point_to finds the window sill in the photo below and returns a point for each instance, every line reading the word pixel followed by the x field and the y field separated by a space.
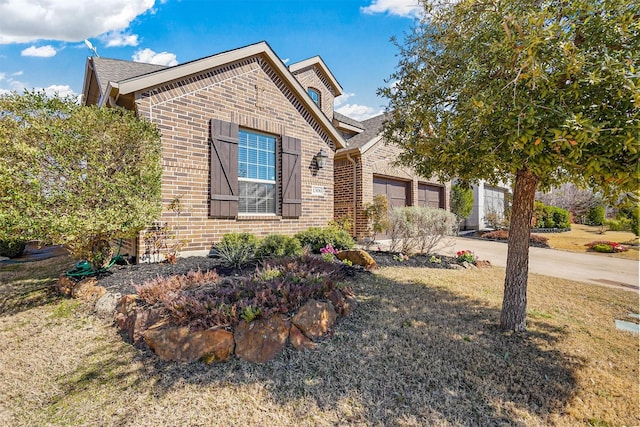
pixel 242 217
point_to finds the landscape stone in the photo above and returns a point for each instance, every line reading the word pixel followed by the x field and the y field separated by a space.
pixel 106 305
pixel 315 318
pixel 88 290
pixel 125 311
pixel 299 341
pixel 342 305
pixel 358 257
pixel 178 344
pixel 456 267
pixel 469 266
pixel 142 320
pixel 65 285
pixel 262 339
pixel 483 263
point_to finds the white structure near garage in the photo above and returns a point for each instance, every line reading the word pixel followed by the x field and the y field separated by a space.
pixel 487 199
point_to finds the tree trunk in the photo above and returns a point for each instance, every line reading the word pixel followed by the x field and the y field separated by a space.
pixel 514 302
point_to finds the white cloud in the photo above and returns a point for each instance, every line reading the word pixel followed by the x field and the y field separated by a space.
pixel 10 84
pixel 62 90
pixel 17 73
pixel 41 52
pixel 286 60
pixel 408 8
pixel 342 99
pixel 150 57
pixel 358 112
pixel 119 38
pixel 23 21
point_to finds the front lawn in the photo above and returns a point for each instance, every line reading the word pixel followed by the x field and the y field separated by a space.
pixel 421 348
pixel 581 235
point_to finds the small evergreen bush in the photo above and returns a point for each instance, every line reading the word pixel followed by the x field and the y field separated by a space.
pixel 550 216
pixel 317 238
pixel 12 248
pixel 596 215
pixel 603 247
pixel 279 245
pixel 236 249
pixel 620 224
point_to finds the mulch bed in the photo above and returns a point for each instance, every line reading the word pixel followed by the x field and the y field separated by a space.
pixel 123 278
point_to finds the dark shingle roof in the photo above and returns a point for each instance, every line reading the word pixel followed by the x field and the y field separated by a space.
pixel 115 70
pixel 372 128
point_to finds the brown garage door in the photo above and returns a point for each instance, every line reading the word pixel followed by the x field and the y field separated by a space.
pixel 397 192
pixel 431 196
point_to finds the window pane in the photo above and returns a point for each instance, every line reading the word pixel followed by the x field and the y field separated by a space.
pixel 257 161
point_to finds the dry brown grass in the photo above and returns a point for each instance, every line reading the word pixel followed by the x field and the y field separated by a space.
pixel 576 239
pixel 421 349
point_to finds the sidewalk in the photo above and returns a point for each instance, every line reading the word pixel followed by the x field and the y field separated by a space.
pixel 589 268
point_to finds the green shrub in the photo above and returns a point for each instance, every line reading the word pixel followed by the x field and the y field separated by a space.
pixel 317 238
pixel 236 249
pixel 596 215
pixel 419 229
pixel 550 216
pixel 602 247
pixel 620 224
pixel 279 245
pixel 561 217
pixel 12 248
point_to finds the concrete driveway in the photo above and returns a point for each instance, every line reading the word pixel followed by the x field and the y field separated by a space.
pixel 590 268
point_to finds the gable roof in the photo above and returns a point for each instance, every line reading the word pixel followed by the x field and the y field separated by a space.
pixel 319 64
pixel 372 134
pixel 130 77
pixel 114 70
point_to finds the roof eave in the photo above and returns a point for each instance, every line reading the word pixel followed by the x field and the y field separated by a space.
pixel 160 77
pixel 317 60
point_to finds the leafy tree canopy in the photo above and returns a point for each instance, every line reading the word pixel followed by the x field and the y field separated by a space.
pixel 536 91
pixel 487 88
pixel 75 175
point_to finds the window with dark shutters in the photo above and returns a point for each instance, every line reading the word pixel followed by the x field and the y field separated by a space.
pixel 224 173
pixel 224 169
pixel 291 177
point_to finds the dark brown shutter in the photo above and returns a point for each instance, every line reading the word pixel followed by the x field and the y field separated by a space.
pixel 224 169
pixel 291 177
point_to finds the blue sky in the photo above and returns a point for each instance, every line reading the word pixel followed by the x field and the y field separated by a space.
pixel 42 41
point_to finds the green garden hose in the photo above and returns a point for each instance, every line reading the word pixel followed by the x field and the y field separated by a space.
pixel 83 268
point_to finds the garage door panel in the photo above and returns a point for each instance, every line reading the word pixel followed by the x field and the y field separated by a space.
pixel 397 192
pixel 431 196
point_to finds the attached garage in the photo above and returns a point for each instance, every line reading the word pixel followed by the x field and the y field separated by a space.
pixel 430 195
pixel 398 192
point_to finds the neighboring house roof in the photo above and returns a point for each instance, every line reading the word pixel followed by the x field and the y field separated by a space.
pixel 342 119
pixel 130 77
pixel 371 135
pixel 319 63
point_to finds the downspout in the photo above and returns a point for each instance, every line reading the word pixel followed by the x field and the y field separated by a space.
pixel 355 194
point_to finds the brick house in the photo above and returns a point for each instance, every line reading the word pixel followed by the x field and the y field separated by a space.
pixel 365 167
pixel 242 138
